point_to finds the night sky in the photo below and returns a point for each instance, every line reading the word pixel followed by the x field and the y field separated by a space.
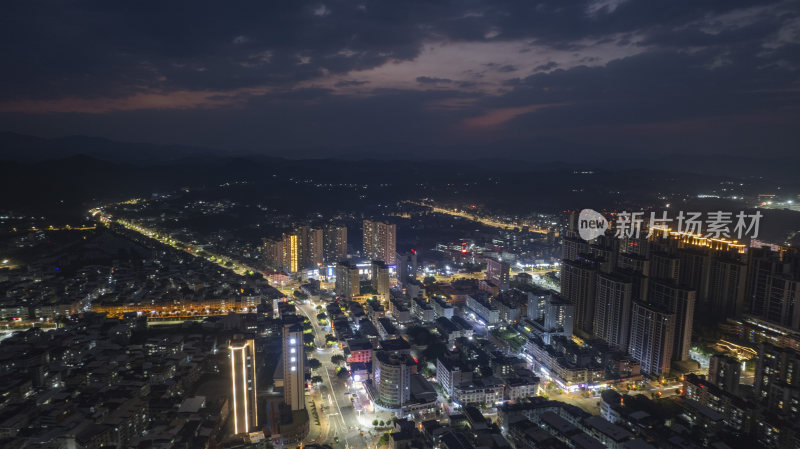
pixel 408 79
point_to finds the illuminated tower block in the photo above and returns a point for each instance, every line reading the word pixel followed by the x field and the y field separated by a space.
pixel 380 241
pixel 293 367
pixel 243 385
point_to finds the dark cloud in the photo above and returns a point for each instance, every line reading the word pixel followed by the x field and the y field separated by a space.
pixel 351 83
pixel 60 48
pixel 240 73
pixel 503 68
pixel 548 66
pixel 432 80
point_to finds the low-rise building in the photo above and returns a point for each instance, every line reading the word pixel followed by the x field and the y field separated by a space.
pixel 422 310
pixel 484 390
pixel 451 373
pixel 360 351
pixel 521 387
pixel 737 413
pixel 480 304
pixel 442 308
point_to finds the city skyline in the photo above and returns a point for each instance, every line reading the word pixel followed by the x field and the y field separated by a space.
pixel 332 224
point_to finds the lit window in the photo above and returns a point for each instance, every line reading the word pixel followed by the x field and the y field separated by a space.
pixel 294 359
pixel 292 351
pixel 294 368
pixel 292 341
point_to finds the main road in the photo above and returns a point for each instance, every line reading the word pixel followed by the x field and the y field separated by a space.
pixel 491 222
pixel 343 428
pixel 166 239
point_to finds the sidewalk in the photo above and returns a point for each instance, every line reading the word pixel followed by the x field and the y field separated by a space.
pixel 315 431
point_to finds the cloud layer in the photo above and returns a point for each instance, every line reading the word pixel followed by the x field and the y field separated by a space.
pixel 386 78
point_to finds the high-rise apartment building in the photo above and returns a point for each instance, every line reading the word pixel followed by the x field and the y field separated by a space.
pixel 634 263
pixel 558 316
pixel 777 381
pixel 725 372
pixel 296 251
pixel 380 279
pixel 664 266
pixel 693 268
pixel 679 301
pixel 578 282
pixel 573 246
pixel 273 253
pixel 604 250
pixel 244 405
pixel 380 241
pixel 309 246
pixel 612 310
pixel 652 336
pixel 334 243
pixel 348 280
pixel 714 268
pixel 774 286
pixel 291 252
pixel 726 286
pixel 498 272
pixel 406 265
pixel 294 386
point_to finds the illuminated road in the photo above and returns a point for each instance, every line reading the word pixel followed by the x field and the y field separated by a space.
pixel 222 261
pixel 55 228
pixel 482 220
pixel 341 416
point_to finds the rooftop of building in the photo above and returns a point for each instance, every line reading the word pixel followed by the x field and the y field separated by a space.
pixel 395 344
pixel 359 344
pixel 394 359
pixel 452 364
pixel 558 423
pixel 612 431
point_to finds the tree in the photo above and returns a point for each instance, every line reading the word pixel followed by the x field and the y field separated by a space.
pixel 321 316
pixel 337 359
pixel 61 321
pixel 375 422
pixel 308 338
pixel 382 423
pixel 384 439
pixel 330 339
pixel 343 373
pixel 421 335
pixel 314 363
pixel 316 379
pixel 434 350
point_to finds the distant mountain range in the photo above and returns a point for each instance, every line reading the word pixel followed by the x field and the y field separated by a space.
pixel 24 148
pixel 29 149
pixel 48 175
